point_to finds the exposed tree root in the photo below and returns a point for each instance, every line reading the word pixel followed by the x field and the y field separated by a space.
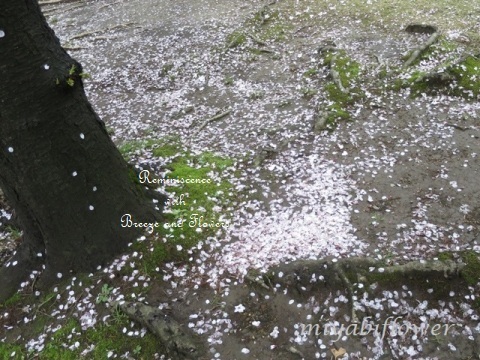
pixel 257 40
pixel 458 127
pixel 257 280
pixel 345 273
pixel 336 76
pixel 338 268
pixel 179 342
pixel 18 269
pixel 417 52
pixel 270 152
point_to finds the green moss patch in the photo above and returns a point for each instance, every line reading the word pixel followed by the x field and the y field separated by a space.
pixel 208 202
pixel 461 79
pixel 164 147
pixel 197 209
pixel 235 39
pixel 348 72
pixel 467 74
pixel 102 339
pixel 471 273
pixel 457 77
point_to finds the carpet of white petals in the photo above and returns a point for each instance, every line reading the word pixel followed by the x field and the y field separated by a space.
pixel 312 200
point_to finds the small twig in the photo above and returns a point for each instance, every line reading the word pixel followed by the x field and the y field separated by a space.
pixel 264 51
pixel 84 34
pixel 73 48
pixel 46 301
pixel 47 11
pixel 302 28
pixel 95 38
pixel 53 9
pixel 214 118
pixel 458 127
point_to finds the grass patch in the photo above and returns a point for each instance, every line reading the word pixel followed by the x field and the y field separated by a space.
pixel 310 72
pixel 445 256
pixel 11 351
pixel 14 233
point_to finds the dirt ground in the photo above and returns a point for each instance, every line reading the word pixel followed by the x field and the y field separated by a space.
pixel 397 182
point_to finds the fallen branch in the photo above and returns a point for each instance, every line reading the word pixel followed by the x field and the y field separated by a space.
pixel 417 52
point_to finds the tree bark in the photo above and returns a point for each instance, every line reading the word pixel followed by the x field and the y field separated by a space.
pixel 59 170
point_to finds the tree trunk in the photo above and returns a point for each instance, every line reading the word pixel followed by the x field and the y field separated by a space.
pixel 59 170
